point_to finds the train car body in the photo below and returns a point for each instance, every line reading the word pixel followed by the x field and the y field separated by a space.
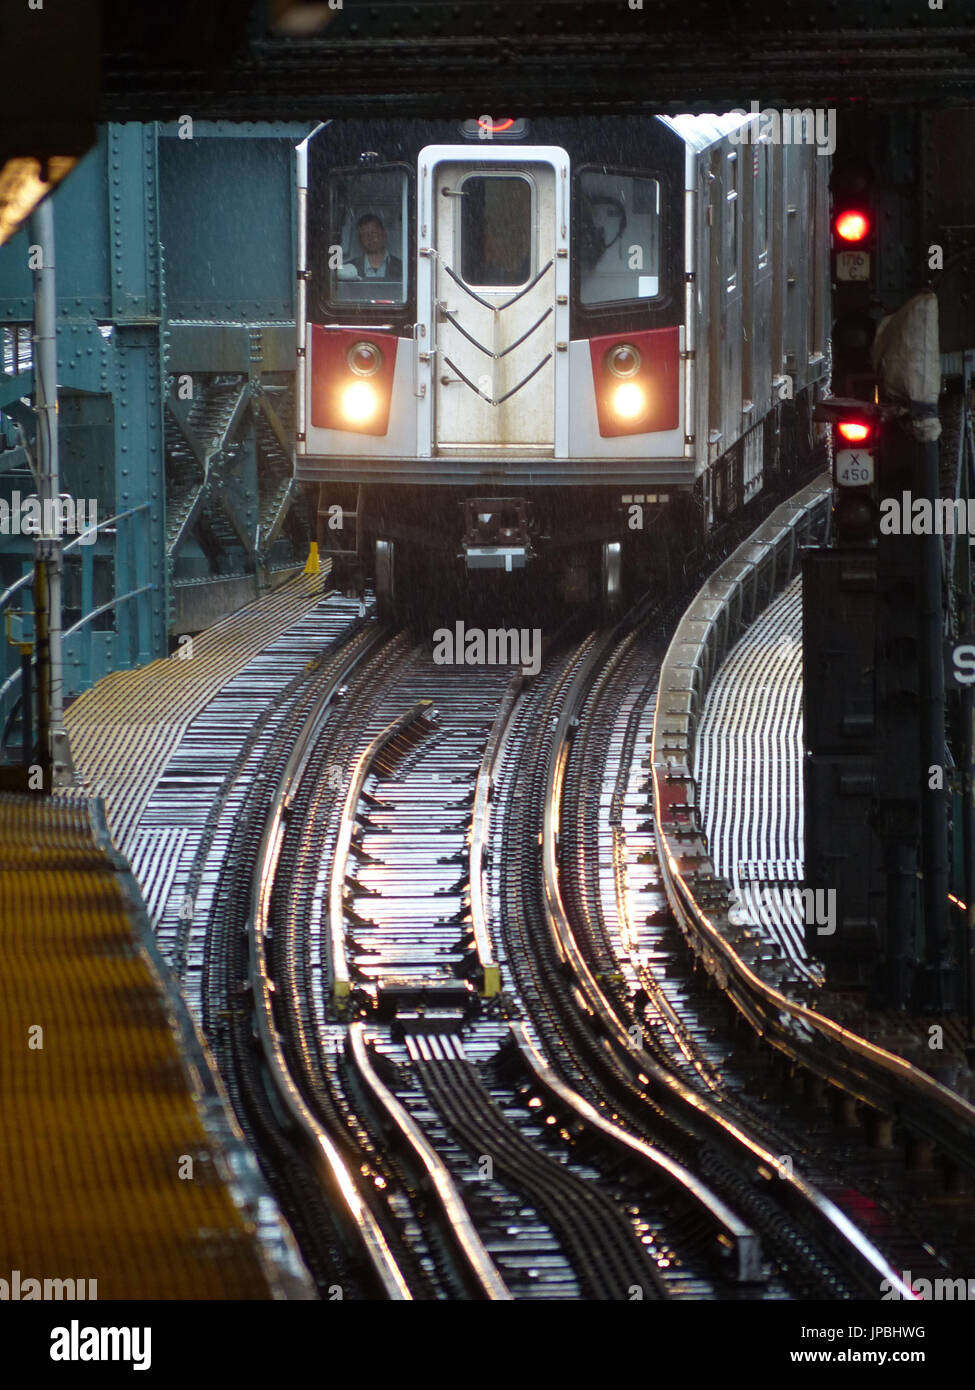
pixel 571 343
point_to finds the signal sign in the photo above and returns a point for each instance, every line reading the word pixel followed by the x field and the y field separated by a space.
pixel 852 265
pixel 854 468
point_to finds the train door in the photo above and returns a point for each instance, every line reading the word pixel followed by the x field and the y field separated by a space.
pixel 497 231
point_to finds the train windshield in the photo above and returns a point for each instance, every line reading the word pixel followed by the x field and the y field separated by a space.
pixel 496 230
pixel 367 219
pixel 619 252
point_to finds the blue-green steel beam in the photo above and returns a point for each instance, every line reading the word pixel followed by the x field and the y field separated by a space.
pixel 175 258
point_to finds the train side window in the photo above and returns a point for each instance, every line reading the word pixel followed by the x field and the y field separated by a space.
pixel 619 237
pixel 496 230
pixel 367 221
pixel 731 222
pixel 763 200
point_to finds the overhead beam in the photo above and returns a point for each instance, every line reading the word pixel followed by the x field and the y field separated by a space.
pixel 558 56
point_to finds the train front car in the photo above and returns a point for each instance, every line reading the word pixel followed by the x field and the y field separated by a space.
pixel 544 345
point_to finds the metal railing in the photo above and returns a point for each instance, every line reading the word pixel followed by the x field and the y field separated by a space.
pixel 735 596
pixel 87 556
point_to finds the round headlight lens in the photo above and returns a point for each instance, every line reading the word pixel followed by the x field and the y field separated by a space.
pixel 629 401
pixel 365 359
pixel 623 360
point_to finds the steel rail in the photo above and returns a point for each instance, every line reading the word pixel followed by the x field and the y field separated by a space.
pixel 479 833
pixel 333 1169
pixel 467 1242
pixel 338 959
pixel 733 1233
pixel 828 1219
pixel 594 1230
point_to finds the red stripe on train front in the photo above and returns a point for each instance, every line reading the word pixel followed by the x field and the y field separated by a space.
pixel 637 381
pixel 351 379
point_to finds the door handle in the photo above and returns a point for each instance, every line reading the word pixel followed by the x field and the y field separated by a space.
pixel 420 356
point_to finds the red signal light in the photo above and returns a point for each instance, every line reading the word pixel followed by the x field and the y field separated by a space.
pixel 853 431
pixel 852 225
pixel 495 127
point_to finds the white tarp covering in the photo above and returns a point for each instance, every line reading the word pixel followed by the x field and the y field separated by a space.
pixel 907 360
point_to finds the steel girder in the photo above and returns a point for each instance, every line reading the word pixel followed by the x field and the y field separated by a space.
pixel 108 273
pixel 400 58
pixel 176 354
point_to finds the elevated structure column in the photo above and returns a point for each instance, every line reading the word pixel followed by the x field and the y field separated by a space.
pixel 54 751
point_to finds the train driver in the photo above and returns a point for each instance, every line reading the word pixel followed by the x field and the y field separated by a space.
pixel 376 261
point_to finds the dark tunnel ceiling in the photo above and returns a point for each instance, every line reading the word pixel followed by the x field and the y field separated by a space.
pixel 218 58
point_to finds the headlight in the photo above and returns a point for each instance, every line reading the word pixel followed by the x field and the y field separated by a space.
pixel 359 403
pixel 365 359
pixel 629 401
pixel 623 360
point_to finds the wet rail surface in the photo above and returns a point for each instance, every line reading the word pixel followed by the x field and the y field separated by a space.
pixel 612 877
pixel 392 1003
pixel 430 939
pixel 422 1071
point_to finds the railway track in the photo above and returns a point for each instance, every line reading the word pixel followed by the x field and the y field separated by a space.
pixel 481 1069
pixel 395 951
pixel 613 887
pixel 321 1175
pixel 393 938
pixel 599 1051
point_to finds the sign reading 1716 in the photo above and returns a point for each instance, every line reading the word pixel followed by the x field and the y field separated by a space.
pixel 853 265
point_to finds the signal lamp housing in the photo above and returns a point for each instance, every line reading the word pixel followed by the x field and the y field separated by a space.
pixel 854 431
pixel 852 226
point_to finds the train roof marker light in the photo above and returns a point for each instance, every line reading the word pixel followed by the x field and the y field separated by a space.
pixel 494 127
pixel 852 226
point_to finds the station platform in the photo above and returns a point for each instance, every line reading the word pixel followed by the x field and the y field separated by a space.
pixel 120 1164
pixel 124 730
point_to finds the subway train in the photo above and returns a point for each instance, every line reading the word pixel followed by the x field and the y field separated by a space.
pixel 566 349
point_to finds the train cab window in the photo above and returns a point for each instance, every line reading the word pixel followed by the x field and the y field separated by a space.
pixel 619 231
pixel 368 217
pixel 496 230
